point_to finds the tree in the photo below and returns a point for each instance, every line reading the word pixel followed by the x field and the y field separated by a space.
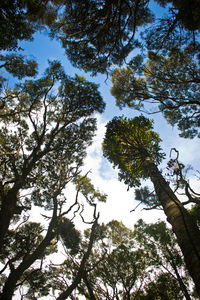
pixel 113 268
pixel 52 118
pixel 163 287
pixel 170 84
pixel 125 264
pixel 46 127
pixel 186 12
pixel 177 27
pixel 133 147
pixel 96 34
pixel 21 19
pixel 19 67
pixel 27 250
pixel 160 246
pixel 120 270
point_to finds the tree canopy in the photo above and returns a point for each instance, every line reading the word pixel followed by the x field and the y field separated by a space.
pixel 169 84
pixel 47 125
pixel 131 264
pixel 128 143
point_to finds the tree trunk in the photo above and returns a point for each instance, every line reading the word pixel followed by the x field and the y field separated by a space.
pixel 8 207
pixel 81 271
pixel 185 229
pixel 180 281
pixel 16 274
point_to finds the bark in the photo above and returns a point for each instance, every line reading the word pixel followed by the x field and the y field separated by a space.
pixel 8 207
pixel 89 287
pixel 185 229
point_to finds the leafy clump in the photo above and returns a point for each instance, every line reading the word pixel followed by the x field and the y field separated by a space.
pixel 69 235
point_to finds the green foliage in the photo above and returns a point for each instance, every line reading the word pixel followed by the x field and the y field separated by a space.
pixel 22 242
pixel 46 127
pixel 18 65
pixel 70 236
pixel 195 213
pixel 117 266
pixel 14 25
pixel 128 143
pixel 84 185
pixel 160 247
pixel 20 19
pixel 186 11
pixel 170 82
pixel 146 197
pixel 164 287
pixel 151 234
pixel 96 34
pixel 37 283
pixel 43 122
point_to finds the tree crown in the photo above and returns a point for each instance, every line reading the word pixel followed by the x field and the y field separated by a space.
pixel 128 143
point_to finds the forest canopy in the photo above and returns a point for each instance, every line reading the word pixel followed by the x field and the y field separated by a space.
pixel 150 50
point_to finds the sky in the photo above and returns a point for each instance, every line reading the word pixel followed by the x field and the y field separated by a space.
pixel 119 201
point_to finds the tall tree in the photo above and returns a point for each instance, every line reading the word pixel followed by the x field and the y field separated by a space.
pixel 186 12
pixel 133 147
pixel 27 248
pixel 19 20
pixel 98 34
pixel 37 122
pixel 46 127
pixel 95 34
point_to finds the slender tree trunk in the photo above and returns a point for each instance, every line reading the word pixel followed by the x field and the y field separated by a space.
pixel 180 281
pixel 89 287
pixel 81 271
pixel 16 274
pixel 185 229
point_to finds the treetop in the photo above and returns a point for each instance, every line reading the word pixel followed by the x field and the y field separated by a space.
pixel 128 143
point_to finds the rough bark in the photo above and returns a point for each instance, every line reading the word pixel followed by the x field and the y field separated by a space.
pixel 184 227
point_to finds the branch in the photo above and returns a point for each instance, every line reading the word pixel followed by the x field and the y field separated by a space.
pixel 81 272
